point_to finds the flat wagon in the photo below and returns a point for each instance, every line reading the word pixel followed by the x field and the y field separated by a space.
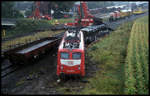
pixel 29 52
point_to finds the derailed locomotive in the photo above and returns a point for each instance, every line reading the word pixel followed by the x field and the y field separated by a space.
pixel 71 51
pixel 70 56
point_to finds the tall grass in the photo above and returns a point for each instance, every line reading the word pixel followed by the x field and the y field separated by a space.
pixel 136 70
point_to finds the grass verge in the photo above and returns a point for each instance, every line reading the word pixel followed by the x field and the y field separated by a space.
pixel 109 54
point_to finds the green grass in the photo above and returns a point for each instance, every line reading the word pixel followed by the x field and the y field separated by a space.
pixel 26 39
pixel 25 25
pixel 136 73
pixel 109 54
pixel 61 21
pixel 122 58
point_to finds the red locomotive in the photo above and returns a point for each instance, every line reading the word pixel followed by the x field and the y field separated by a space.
pixel 71 54
pixel 114 16
pixel 71 49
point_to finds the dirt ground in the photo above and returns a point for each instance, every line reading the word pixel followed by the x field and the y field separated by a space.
pixel 40 78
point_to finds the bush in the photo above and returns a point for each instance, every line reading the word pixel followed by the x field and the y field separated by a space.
pixel 24 26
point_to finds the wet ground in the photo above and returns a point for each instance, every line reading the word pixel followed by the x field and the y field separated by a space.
pixel 30 78
pixel 40 77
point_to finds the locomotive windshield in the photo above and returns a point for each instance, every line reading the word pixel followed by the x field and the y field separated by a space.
pixel 64 55
pixel 76 55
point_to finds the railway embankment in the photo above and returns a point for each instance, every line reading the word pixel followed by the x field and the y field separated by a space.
pixel 26 27
pixel 110 55
pixel 29 38
pixel 28 30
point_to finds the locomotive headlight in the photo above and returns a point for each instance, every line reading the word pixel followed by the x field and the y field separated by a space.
pixel 79 67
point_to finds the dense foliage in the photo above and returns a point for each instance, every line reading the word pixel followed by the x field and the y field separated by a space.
pixel 24 26
pixel 8 10
pixel 61 6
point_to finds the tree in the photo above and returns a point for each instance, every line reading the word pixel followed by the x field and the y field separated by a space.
pixel 28 12
pixel 8 10
pixel 46 7
pixel 60 6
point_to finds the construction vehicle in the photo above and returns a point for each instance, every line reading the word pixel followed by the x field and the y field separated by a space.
pixel 88 23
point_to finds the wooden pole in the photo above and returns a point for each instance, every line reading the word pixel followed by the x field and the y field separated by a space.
pixel 4 32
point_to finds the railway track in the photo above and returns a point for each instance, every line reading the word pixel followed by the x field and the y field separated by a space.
pixel 115 24
pixel 10 68
pixel 7 71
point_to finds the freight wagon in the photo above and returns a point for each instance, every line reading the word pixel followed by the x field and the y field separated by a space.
pixel 122 14
pixel 29 52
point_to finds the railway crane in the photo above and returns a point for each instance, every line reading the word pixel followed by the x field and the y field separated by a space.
pixel 36 12
pixel 88 23
pixel 84 17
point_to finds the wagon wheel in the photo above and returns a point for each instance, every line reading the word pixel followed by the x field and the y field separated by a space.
pixel 47 50
pixel 38 56
pixel 14 62
pixel 32 58
pixel 25 62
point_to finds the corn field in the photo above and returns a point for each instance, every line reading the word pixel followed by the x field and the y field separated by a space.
pixel 136 68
